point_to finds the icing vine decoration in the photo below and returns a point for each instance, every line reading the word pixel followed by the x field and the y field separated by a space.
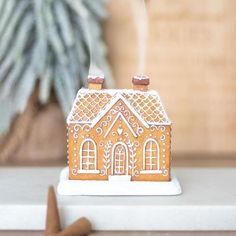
pixel 106 158
pixel 132 148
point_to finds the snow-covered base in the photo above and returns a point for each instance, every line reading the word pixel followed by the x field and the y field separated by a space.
pixel 91 187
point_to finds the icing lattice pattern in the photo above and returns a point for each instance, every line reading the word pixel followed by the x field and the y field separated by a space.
pixel 148 106
pixel 90 103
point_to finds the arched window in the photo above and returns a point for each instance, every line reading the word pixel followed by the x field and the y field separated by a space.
pixel 151 162
pixel 119 159
pixel 88 156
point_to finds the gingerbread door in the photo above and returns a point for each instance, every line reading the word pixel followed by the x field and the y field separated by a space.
pixel 119 159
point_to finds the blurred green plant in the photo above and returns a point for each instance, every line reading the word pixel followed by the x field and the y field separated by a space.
pixel 47 40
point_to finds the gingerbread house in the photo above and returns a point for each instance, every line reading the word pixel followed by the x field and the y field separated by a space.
pixel 120 134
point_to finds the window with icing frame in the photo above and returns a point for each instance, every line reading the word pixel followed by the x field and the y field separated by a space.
pixel 88 157
pixel 151 157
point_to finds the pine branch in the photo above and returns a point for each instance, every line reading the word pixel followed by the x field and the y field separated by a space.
pixel 47 40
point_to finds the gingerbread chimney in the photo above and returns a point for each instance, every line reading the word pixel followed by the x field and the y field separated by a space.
pixel 140 82
pixel 95 82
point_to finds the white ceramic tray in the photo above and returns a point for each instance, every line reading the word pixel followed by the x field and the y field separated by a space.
pixel 116 186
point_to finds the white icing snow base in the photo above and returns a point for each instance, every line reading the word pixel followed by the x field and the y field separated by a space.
pixel 108 188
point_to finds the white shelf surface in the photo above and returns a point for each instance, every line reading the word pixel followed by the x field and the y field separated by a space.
pixel 208 202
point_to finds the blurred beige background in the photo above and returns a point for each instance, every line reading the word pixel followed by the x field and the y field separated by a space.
pixel 191 59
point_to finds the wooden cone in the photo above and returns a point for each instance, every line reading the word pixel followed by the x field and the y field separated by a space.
pixel 53 219
pixel 80 227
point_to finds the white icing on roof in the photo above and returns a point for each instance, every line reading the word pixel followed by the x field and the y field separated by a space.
pixel 141 77
pixel 95 76
pixel 146 104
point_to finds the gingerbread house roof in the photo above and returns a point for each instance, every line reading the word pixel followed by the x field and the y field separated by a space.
pixel 90 105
